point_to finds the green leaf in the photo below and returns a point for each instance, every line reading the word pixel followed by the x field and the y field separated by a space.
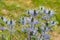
pixel 39 30
pixel 2 23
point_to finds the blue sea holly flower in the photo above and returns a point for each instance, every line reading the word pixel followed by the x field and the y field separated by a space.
pixel 46 11
pixel 32 31
pixel 8 22
pixel 28 19
pixel 52 13
pixel 23 20
pixel 31 20
pixel 49 12
pixel 11 22
pixel 42 8
pixel 47 29
pixel 36 12
pixel 46 36
pixel 4 19
pixel 35 31
pixel 53 23
pixel 36 22
pixel 31 12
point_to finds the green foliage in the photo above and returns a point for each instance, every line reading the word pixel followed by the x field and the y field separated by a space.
pixel 2 23
pixel 58 17
pixel 33 38
pixel 36 2
pixel 39 30
pixel 2 5
pixel 12 7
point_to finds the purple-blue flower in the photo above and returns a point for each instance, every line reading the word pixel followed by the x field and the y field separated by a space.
pixel 2 28
pixel 36 21
pixel 46 36
pixel 33 12
pixel 23 20
pixel 11 22
pixel 4 19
